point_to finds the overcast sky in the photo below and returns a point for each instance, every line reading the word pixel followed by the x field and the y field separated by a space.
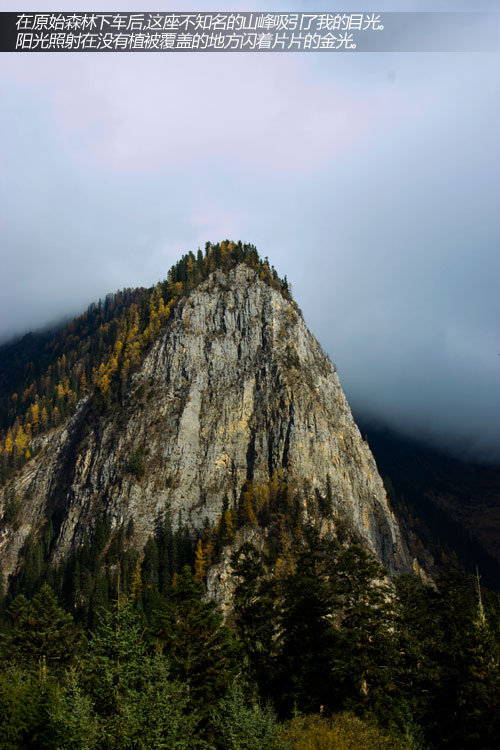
pixel 371 180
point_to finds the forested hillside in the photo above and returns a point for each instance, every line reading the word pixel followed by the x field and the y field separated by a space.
pixel 319 650
pixel 112 640
pixel 43 376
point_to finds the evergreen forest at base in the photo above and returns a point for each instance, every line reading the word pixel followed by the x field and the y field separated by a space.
pixel 320 650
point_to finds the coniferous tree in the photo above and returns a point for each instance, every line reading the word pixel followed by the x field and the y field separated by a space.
pixel 33 568
pixel 255 617
pixel 41 633
pixel 26 702
pixel 136 702
pixel 368 614
pixel 467 698
pixel 200 649
pixel 200 562
pixel 417 634
pixel 247 727
pixel 72 716
pixel 307 676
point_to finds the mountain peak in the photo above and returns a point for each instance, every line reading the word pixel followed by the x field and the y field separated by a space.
pixel 45 375
pixel 229 393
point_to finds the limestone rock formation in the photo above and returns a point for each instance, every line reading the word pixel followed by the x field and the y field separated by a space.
pixel 234 388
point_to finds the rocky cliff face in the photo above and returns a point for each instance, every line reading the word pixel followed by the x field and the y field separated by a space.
pixel 235 388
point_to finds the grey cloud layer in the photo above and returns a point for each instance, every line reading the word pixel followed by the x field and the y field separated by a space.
pixel 371 181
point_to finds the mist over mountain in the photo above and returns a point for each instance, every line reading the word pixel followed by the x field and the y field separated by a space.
pixel 238 508
pixel 44 376
pixel 454 504
pixel 417 401
pixel 371 179
pixel 202 389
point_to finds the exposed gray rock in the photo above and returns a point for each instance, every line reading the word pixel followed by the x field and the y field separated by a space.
pixel 235 388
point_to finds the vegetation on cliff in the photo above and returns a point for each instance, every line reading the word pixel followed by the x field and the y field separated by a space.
pixel 117 645
pixel 45 375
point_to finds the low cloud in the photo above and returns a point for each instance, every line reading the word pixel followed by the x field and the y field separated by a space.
pixel 370 180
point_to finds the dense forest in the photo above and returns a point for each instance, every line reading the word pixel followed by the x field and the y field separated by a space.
pixel 112 649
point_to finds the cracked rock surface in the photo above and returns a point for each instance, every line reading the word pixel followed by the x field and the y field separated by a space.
pixel 234 388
